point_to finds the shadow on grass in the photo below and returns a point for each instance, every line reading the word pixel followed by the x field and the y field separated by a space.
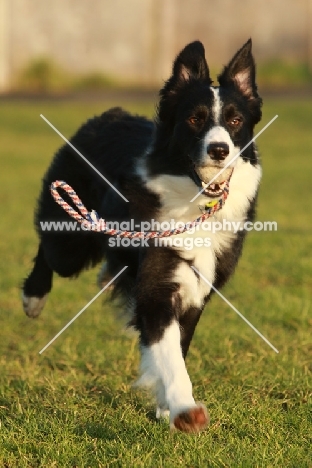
pixel 121 416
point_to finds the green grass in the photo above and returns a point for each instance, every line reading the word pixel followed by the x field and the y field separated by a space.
pixel 73 406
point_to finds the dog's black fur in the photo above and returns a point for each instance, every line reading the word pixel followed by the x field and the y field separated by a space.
pixel 119 145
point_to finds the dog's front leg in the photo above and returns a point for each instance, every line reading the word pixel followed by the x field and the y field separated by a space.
pixel 163 367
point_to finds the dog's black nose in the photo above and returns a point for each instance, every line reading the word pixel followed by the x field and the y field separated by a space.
pixel 218 151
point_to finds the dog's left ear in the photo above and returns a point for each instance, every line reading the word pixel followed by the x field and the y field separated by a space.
pixel 241 72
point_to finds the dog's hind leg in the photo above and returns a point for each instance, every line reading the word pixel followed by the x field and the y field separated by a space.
pixel 104 277
pixel 37 286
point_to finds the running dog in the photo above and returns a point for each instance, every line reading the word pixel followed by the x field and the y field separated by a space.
pixel 159 166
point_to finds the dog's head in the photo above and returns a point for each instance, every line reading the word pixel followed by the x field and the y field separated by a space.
pixel 202 126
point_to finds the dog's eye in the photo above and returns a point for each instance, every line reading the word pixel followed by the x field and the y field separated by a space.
pixel 194 120
pixel 197 117
pixel 235 121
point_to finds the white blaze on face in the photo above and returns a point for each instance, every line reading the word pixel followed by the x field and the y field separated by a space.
pixel 217 105
pixel 217 134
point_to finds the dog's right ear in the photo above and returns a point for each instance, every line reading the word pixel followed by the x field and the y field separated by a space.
pixel 189 65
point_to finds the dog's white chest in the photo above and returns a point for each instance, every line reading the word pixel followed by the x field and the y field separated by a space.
pixel 200 247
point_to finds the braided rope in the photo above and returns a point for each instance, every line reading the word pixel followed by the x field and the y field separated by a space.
pixel 92 220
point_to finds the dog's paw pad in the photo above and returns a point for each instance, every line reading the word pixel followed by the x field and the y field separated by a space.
pixel 194 419
pixel 33 305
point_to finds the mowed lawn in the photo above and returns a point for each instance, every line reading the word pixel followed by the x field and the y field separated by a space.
pixel 74 405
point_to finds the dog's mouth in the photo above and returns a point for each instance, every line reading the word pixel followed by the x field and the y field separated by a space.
pixel 215 189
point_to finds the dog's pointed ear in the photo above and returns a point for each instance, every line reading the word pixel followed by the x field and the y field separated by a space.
pixel 189 65
pixel 241 72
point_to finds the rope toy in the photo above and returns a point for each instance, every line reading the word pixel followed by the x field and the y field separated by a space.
pixel 92 220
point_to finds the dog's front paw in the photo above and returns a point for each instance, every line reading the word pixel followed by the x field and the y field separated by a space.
pixel 194 419
pixel 162 413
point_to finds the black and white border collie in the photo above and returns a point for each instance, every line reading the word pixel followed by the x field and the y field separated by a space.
pixel 159 167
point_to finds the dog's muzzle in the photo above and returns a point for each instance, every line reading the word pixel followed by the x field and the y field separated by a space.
pixel 203 175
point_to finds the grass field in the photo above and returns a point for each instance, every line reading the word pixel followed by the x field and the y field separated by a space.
pixel 73 406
